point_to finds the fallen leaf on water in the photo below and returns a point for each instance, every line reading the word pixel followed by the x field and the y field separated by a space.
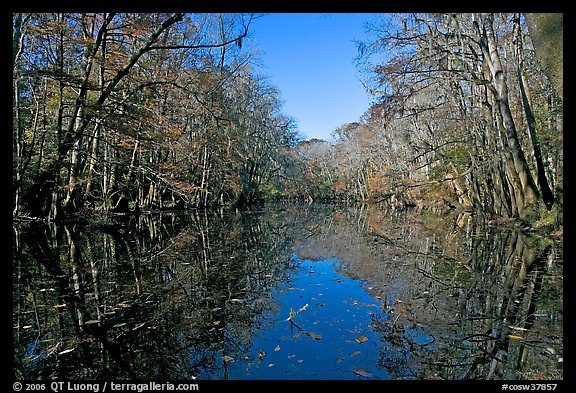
pixel 277 348
pixel 315 336
pixel 228 359
pixel 339 360
pixel 66 351
pixel 513 337
pixel 355 353
pixel 261 354
pixel 361 372
pixel 518 328
pixel 140 325
pixel 361 339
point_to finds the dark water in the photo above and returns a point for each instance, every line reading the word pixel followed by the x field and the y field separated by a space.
pixel 287 292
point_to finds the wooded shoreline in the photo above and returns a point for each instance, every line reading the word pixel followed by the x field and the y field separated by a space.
pixel 121 113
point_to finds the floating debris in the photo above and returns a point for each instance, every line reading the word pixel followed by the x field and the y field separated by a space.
pixel 361 339
pixel 294 313
pixel 315 336
pixel 363 373
pixel 66 351
pixel 518 328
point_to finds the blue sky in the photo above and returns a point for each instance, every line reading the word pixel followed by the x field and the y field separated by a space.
pixel 309 58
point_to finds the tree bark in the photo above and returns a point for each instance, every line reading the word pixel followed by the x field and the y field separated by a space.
pixel 547 195
pixel 530 192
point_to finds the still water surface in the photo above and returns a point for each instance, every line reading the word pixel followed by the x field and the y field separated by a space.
pixel 286 292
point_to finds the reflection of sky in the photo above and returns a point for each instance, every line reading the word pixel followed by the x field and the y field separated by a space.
pixel 34 355
pixel 332 338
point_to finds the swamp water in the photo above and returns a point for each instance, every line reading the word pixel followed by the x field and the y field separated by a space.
pixel 286 292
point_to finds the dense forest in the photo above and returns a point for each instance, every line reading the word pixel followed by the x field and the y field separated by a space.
pixel 124 112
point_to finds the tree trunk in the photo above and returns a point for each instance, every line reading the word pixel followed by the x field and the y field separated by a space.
pixel 530 192
pixel 92 164
pixel 73 197
pixel 547 195
pixel 18 141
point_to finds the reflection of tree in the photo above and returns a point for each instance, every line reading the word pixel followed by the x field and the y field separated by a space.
pixel 465 300
pixel 177 296
pixel 152 297
pixel 505 338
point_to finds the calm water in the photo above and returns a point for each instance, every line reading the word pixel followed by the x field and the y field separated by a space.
pixel 287 292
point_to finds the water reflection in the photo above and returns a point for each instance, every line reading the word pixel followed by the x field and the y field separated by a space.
pixel 390 295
